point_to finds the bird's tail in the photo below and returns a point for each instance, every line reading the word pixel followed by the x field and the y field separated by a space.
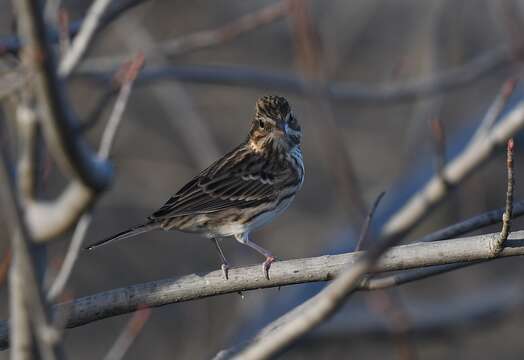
pixel 135 230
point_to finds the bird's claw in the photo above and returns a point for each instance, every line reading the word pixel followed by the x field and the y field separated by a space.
pixel 267 264
pixel 225 270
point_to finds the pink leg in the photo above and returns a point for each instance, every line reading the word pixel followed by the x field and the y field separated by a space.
pixel 244 239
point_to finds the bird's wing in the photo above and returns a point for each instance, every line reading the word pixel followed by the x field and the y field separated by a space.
pixel 240 179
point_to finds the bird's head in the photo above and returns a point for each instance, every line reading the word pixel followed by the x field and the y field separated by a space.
pixel 274 125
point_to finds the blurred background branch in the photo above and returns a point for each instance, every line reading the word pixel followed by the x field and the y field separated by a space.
pixel 363 78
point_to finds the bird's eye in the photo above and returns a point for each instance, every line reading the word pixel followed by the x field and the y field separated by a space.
pixel 264 125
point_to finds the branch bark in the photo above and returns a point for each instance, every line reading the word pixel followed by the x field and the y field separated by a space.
pixel 323 268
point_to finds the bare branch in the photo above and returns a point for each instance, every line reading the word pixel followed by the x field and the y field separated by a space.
pixel 322 268
pixel 367 221
pixel 128 76
pixel 63 31
pixel 75 246
pixel 383 282
pixel 474 155
pixel 488 218
pixel 201 39
pixel 498 243
pixel 28 306
pixel 84 36
pixel 495 109
pixel 12 44
pixel 4 265
pixel 350 92
pixel 128 335
pixel 439 138
pixel 68 148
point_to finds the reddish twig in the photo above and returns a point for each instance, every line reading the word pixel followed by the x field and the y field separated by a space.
pixel 133 327
pixel 129 70
pixel 495 109
pixel 63 31
pixel 498 243
pixel 439 137
pixel 4 265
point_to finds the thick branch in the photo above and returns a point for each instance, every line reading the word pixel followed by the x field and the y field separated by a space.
pixel 323 268
pixel 60 126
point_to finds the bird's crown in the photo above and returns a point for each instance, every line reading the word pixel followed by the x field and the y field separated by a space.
pixel 273 107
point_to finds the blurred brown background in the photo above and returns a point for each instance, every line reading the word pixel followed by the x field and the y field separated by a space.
pixel 171 130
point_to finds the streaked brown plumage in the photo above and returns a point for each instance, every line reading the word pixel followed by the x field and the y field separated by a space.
pixel 241 191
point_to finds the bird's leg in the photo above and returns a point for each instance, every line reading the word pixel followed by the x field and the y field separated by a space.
pixel 244 239
pixel 225 264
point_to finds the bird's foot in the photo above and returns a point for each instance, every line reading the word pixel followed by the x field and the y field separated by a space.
pixel 225 270
pixel 267 264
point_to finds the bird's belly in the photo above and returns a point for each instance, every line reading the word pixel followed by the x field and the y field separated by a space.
pixel 254 221
pixel 229 222
pixel 238 222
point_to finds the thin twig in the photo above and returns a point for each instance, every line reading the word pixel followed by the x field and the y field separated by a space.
pixel 12 44
pixel 202 39
pixel 365 227
pixel 84 36
pixel 439 138
pixel 63 32
pixel 173 98
pixel 383 282
pixel 488 218
pixel 495 109
pixel 128 335
pixel 354 92
pixel 473 156
pixel 75 246
pixel 498 243
pixel 127 77
pixel 4 265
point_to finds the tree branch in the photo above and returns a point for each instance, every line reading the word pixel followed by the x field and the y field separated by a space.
pixel 200 39
pixel 354 92
pixel 12 44
pixel 71 152
pixel 83 38
pixel 473 156
pixel 498 243
pixel 322 268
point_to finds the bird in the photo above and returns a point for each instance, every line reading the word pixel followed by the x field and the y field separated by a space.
pixel 240 192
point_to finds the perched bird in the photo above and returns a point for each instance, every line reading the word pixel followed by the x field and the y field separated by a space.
pixel 243 190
